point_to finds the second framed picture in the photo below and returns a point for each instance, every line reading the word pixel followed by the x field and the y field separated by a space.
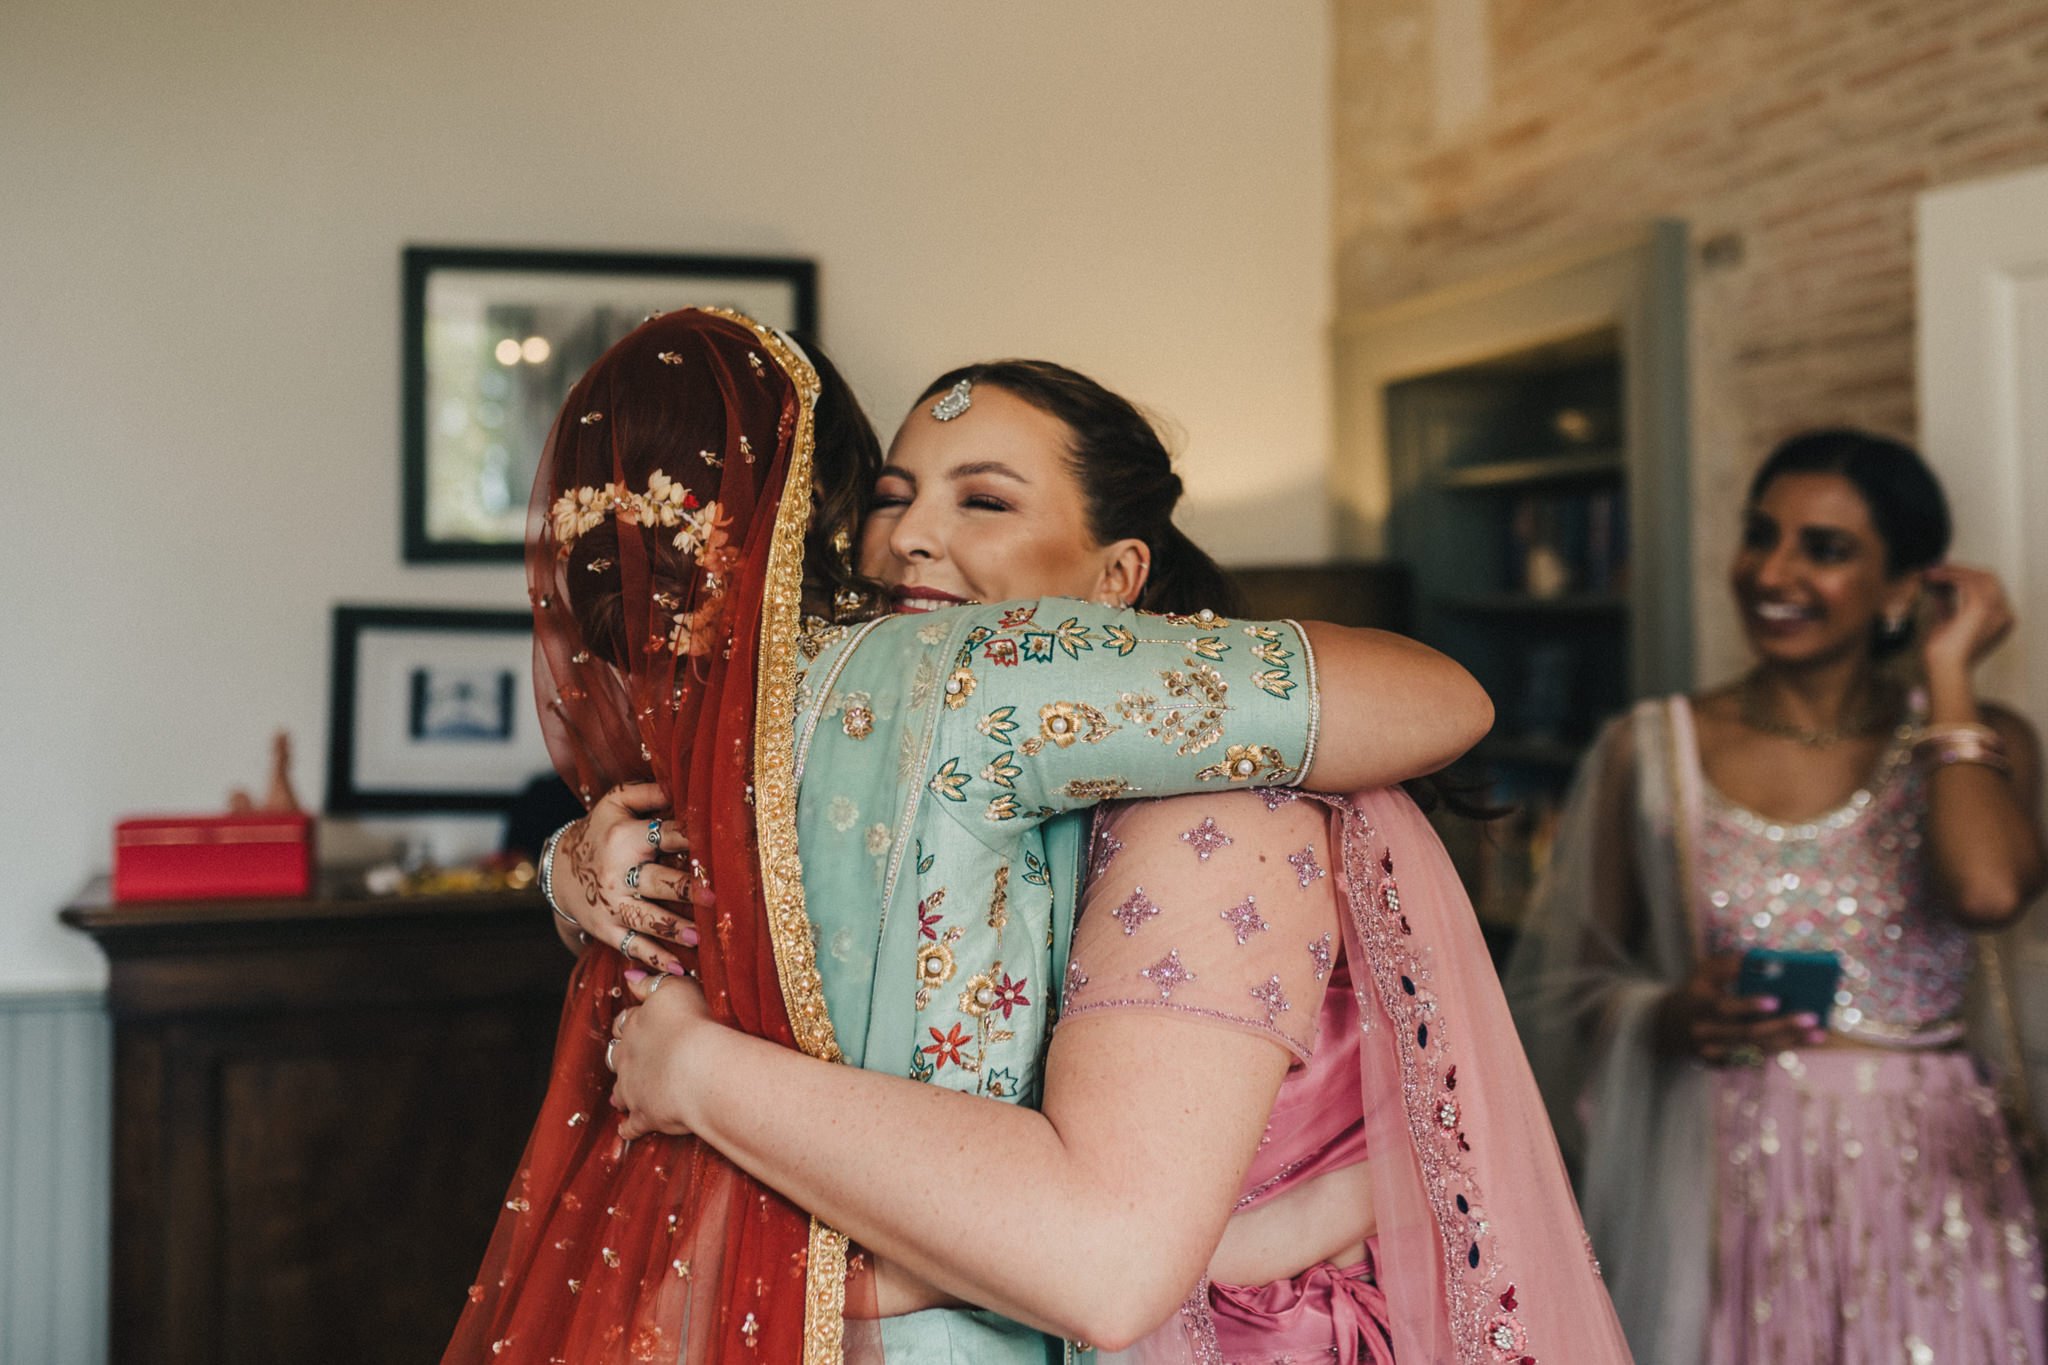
pixel 432 710
pixel 493 341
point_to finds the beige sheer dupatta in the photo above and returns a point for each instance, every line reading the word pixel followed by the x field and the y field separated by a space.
pixel 1610 929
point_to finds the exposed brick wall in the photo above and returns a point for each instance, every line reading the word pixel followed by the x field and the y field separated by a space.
pixel 1792 135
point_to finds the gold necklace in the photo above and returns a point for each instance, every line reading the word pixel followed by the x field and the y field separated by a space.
pixel 1873 718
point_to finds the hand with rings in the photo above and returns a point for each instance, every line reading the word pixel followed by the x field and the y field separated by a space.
pixel 654 983
pixel 652 1052
pixel 609 881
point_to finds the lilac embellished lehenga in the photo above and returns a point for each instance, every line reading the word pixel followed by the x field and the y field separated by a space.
pixel 1336 928
pixel 1846 1205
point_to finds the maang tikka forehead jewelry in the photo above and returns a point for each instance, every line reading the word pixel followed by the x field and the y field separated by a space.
pixel 954 401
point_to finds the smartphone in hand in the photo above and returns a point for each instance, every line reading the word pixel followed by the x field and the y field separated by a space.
pixel 1804 983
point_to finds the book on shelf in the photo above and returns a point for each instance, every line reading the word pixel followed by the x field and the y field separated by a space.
pixel 1566 541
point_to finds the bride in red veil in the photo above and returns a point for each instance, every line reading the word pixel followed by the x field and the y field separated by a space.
pixel 666 554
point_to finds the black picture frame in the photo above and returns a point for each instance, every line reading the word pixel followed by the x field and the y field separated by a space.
pixel 431 709
pixel 469 450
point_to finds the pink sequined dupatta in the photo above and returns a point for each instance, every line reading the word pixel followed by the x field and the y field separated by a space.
pixel 1481 1252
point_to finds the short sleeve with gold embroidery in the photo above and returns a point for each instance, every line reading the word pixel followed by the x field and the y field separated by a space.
pixel 1057 704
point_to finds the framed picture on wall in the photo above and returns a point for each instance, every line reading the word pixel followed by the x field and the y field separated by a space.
pixel 431 709
pixel 493 341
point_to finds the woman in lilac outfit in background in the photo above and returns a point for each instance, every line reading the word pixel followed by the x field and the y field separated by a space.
pixel 1773 1186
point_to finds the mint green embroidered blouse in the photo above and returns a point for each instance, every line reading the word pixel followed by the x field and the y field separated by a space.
pixel 944 761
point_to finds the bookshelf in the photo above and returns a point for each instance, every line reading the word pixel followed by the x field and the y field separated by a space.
pixel 1519 443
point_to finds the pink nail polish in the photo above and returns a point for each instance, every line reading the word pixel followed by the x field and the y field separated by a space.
pixel 678 969
pixel 1767 1003
pixel 1817 1037
pixel 1808 1021
pixel 687 936
pixel 635 975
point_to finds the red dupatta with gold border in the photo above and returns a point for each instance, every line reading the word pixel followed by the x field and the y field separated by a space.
pixel 665 556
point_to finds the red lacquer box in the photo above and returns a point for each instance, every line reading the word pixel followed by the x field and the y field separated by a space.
pixel 197 857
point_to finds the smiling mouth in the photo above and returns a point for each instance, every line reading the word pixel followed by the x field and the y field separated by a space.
pixel 1782 613
pixel 927 599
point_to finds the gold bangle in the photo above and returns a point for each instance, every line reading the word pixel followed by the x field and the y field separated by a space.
pixel 1941 745
pixel 1982 757
pixel 1962 730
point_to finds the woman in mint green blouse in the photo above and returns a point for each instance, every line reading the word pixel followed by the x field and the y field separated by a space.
pixel 943 757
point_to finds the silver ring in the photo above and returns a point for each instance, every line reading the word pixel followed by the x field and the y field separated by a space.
pixel 654 833
pixel 627 942
pixel 611 1046
pixel 659 981
pixel 633 877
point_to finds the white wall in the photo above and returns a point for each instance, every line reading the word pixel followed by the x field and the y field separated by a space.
pixel 202 204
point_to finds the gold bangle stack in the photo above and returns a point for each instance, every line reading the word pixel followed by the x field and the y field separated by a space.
pixel 1937 746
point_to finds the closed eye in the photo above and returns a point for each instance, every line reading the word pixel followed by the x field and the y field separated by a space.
pixel 894 490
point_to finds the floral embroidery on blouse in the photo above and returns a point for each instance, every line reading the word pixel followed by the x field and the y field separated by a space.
pixel 1243 762
pixel 1002 770
pixel 1205 838
pixel 857 718
pixel 949 781
pixel 1267 648
pixel 959 687
pixel 928 915
pixel 1098 788
pixel 1319 953
pixel 1167 974
pixel 1192 718
pixel 936 962
pixel 1107 846
pixel 1010 642
pixel 1060 723
pixel 1305 866
pixel 945 1047
pixel 1122 641
pixel 1135 911
pixel 1269 994
pixel 1244 921
pixel 1010 995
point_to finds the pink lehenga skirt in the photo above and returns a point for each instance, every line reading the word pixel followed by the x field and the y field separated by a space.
pixel 1872 1211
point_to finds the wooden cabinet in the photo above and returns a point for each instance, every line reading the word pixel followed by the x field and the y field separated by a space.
pixel 318 1106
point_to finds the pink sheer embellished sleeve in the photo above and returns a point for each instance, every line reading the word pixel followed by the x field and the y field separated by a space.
pixel 1213 908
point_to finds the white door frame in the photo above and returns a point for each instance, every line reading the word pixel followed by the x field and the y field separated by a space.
pixel 1982 277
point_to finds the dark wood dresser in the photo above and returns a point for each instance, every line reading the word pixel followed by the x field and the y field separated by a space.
pixel 318 1106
